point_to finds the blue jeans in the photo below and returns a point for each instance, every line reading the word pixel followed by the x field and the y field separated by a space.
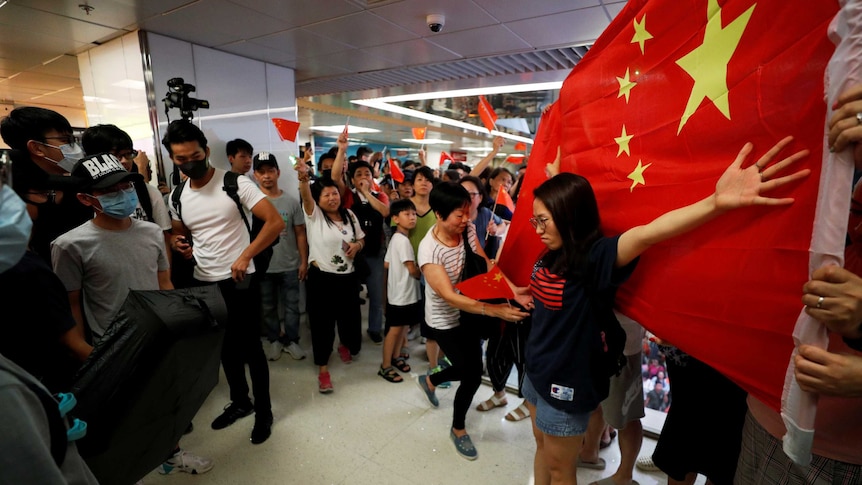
pixel 279 299
pixel 374 284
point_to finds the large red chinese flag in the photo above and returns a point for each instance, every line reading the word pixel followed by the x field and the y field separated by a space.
pixel 286 128
pixel 652 116
pixel 486 286
pixel 487 114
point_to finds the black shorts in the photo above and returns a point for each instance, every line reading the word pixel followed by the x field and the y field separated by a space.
pixel 400 316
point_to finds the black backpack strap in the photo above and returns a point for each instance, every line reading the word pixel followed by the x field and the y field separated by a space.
pixel 231 186
pixel 144 199
pixel 175 199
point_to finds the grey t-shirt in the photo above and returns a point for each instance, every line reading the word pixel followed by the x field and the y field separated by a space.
pixel 285 254
pixel 105 265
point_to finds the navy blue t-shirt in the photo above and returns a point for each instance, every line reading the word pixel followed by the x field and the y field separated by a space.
pixel 563 335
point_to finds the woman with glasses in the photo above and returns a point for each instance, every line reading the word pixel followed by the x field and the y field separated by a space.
pixel 581 267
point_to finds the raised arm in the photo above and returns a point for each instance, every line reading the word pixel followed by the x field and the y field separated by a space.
pixel 738 187
pixel 497 145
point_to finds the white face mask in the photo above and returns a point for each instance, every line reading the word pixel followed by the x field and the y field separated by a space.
pixel 72 153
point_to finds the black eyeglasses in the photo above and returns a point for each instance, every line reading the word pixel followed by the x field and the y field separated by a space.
pixel 539 222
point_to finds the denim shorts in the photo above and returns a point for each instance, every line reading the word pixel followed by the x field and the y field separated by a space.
pixel 551 420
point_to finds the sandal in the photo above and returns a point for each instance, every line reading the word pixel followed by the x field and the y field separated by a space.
pixel 519 413
pixel 494 402
pixel 389 374
pixel 401 364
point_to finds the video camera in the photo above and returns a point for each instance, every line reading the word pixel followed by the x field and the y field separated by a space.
pixel 178 97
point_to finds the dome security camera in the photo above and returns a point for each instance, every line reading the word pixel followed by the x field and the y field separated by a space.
pixel 435 22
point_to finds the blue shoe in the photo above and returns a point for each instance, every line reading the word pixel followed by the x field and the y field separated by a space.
pixel 420 381
pixel 464 446
pixel 442 385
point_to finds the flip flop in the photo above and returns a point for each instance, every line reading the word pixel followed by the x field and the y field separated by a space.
pixel 599 465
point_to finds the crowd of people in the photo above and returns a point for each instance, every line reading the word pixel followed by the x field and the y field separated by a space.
pixel 81 222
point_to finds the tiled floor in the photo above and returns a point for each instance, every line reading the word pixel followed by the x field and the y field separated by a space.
pixel 368 431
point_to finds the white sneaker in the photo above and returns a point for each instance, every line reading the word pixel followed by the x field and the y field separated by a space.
pixel 183 461
pixel 294 350
pixel 273 350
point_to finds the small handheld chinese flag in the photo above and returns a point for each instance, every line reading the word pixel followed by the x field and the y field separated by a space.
pixel 504 199
pixel 395 171
pixel 286 129
pixel 487 114
pixel 445 156
pixel 486 286
pixel 419 133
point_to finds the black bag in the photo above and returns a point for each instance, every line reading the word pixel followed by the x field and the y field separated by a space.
pixel 475 265
pixel 360 264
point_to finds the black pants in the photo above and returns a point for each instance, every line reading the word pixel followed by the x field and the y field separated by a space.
pixel 506 348
pixel 333 302
pixel 463 347
pixel 242 346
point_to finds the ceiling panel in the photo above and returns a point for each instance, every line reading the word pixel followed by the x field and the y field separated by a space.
pixel 296 13
pixel 569 28
pixel 212 23
pixel 363 30
pixel 298 43
pixel 509 11
pixel 413 52
pixel 475 42
pixel 460 15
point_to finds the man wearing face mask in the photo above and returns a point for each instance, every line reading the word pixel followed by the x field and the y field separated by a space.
pixel 44 152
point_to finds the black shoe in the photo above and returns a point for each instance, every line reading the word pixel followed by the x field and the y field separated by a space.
pixel 375 337
pixel 189 429
pixel 231 413
pixel 262 430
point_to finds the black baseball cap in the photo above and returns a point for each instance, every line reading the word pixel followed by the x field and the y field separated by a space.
pixel 264 158
pixel 103 171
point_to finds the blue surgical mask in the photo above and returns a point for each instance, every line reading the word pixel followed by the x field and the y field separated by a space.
pixel 72 153
pixel 120 204
pixel 15 227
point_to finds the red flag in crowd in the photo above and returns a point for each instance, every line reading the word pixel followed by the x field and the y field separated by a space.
pixel 652 116
pixel 445 156
pixel 419 133
pixel 486 286
pixel 487 114
pixel 287 129
pixel 395 171
pixel 504 199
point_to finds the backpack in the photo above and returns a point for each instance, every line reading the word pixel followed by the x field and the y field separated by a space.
pixel 231 187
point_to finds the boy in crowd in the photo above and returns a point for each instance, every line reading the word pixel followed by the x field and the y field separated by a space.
pixel 279 289
pixel 402 290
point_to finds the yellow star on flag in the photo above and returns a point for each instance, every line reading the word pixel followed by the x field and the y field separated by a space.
pixel 707 64
pixel 637 176
pixel 626 85
pixel 641 34
pixel 623 142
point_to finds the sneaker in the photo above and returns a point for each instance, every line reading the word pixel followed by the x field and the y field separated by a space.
pixel 273 350
pixel 375 337
pixel 442 385
pixel 262 429
pixel 429 394
pixel 324 383
pixel 232 412
pixel 646 464
pixel 183 461
pixel 344 353
pixel 295 351
pixel 464 446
